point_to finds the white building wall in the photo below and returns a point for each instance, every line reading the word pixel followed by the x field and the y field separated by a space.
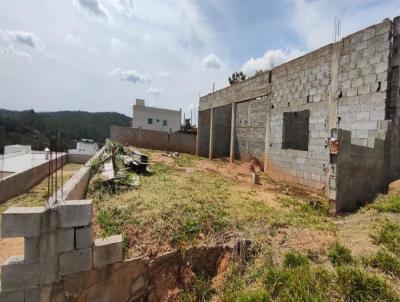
pixel 156 118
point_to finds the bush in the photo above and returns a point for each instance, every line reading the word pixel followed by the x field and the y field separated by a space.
pixel 294 259
pixel 358 285
pixel 339 255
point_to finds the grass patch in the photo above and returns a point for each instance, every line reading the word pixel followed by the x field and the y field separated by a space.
pixel 385 262
pixel 389 236
pixel 294 259
pixel 387 203
pixel 358 285
pixel 112 220
pixel 339 255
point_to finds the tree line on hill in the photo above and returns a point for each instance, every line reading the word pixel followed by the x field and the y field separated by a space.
pixel 38 128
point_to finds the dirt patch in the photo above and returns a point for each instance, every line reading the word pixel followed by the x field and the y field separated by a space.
pixel 354 231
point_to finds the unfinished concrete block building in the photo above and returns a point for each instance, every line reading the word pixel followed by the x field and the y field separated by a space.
pixel 328 120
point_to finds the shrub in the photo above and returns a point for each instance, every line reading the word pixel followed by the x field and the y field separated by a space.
pixel 358 285
pixel 339 255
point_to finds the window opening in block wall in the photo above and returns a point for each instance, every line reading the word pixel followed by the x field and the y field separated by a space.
pixel 295 134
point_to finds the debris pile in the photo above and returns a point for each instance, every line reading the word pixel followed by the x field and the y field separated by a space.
pixel 117 168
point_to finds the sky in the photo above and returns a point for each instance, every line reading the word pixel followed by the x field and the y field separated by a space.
pixel 101 55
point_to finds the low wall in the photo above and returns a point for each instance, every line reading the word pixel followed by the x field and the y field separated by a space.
pixel 21 182
pixel 78 158
pixel 159 140
pixel 75 187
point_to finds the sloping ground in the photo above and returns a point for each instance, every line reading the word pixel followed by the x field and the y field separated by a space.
pixel 188 201
pixel 35 197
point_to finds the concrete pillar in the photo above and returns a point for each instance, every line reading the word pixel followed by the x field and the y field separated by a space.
pixel 232 147
pixel 331 181
pixel 267 128
pixel 211 146
pixel 198 132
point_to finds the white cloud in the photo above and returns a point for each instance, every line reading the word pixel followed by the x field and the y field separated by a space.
pixel 73 39
pixel 270 59
pixel 212 62
pixel 128 7
pixel 116 45
pixel 93 8
pixel 155 91
pixel 164 75
pixel 21 37
pixel 131 76
pixel 11 50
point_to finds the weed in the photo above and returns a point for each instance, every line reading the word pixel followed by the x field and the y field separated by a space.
pixel 294 259
pixel 389 236
pixel 339 254
pixel 385 262
pixel 358 285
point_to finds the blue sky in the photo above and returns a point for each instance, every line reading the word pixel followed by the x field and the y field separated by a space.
pixel 100 55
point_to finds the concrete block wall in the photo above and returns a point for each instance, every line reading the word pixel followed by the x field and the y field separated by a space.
pixel 222 134
pixel 361 171
pixel 203 133
pixel 151 139
pixel 250 129
pixel 363 81
pixel 351 85
pixel 302 84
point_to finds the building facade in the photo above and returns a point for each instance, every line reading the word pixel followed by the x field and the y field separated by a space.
pixel 158 119
pixel 328 120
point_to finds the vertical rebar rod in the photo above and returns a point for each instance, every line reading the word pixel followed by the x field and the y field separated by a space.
pixel 62 167
pixel 56 143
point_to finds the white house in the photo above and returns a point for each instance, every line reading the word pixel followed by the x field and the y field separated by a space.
pixel 152 118
pixel 85 147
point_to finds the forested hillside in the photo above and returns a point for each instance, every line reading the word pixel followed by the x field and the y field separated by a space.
pixel 36 128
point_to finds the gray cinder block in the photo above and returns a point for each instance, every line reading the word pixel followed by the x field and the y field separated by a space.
pixel 83 237
pixel 15 296
pixel 107 251
pixel 31 249
pixel 75 213
pixel 75 261
pixel 21 222
pixel 65 240
pixel 16 274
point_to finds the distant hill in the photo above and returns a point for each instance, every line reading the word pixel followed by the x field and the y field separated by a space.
pixel 36 128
